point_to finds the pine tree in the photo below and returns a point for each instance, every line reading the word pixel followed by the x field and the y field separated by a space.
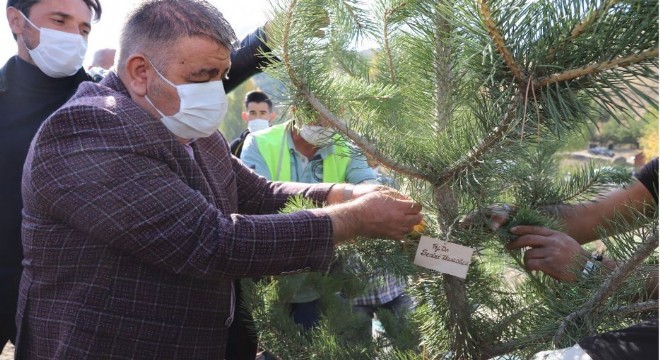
pixel 467 103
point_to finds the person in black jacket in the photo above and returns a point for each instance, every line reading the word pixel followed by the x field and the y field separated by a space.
pixel 51 36
pixel 33 84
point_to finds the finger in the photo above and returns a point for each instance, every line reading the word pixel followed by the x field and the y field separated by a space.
pixel 407 206
pixel 547 268
pixel 498 216
pixel 393 193
pixel 397 234
pixel 415 208
pixel 531 230
pixel 411 221
pixel 535 253
pixel 528 241
pixel 535 265
pixel 417 219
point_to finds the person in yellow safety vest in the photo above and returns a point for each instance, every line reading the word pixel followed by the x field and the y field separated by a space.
pixel 279 144
pixel 311 153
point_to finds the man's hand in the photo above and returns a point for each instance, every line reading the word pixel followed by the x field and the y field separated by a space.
pixel 346 192
pixel 368 188
pixel 378 213
pixel 493 217
pixel 553 252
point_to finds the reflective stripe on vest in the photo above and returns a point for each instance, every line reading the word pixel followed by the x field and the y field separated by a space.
pixel 273 147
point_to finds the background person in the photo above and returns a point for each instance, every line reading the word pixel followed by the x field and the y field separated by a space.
pixel 103 60
pixel 313 154
pixel 137 217
pixel 258 115
pixel 51 37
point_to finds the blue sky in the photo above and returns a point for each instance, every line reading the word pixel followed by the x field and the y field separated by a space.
pixel 243 15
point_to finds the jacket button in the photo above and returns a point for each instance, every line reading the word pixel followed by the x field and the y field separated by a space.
pixel 228 321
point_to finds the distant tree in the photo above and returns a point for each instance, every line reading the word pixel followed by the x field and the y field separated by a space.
pixel 233 124
pixel 614 132
pixel 649 138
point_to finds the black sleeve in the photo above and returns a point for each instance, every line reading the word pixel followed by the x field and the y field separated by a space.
pixel 236 145
pixel 247 60
pixel 633 343
pixel 648 175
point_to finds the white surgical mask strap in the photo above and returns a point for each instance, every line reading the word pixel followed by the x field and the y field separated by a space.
pixel 31 23
pixel 28 20
pixel 146 97
pixel 159 74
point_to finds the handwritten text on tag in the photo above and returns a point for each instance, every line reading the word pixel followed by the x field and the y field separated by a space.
pixel 443 256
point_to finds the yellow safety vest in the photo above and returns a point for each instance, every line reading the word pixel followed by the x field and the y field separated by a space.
pixel 273 146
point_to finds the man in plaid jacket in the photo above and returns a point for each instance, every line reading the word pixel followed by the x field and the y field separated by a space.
pixel 133 232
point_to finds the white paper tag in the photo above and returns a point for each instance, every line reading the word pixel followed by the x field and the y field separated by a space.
pixel 443 256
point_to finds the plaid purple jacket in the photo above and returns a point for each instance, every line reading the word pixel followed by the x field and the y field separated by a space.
pixel 130 245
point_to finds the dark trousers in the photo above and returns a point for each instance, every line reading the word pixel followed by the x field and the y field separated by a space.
pixel 242 336
pixel 306 314
pixel 399 306
pixel 10 279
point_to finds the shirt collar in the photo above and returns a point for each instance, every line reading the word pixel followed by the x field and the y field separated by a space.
pixel 324 151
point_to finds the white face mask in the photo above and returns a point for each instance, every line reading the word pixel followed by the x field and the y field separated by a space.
pixel 257 124
pixel 59 54
pixel 202 108
pixel 317 135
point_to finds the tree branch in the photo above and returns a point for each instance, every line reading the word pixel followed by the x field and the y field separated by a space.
pixel 639 307
pixel 444 79
pixel 613 282
pixel 459 315
pixel 351 12
pixel 489 352
pixel 580 28
pixel 500 44
pixel 364 145
pixel 386 42
pixel 595 68
pixel 286 60
pixel 509 320
pixel 490 141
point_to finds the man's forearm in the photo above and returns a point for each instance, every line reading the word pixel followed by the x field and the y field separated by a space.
pixel 583 220
pixel 345 223
pixel 340 193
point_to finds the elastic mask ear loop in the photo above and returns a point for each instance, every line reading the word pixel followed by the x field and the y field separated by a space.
pixel 33 25
pixel 146 97
pixel 159 74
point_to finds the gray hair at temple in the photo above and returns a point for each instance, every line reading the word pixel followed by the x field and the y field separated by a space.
pixel 156 24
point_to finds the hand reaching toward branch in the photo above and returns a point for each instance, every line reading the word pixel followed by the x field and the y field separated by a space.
pixel 552 252
pixel 376 212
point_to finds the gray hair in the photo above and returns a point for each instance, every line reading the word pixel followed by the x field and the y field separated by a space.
pixel 156 24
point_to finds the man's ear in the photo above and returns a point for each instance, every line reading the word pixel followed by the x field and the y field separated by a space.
pixel 15 20
pixel 135 71
pixel 244 115
pixel 272 116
